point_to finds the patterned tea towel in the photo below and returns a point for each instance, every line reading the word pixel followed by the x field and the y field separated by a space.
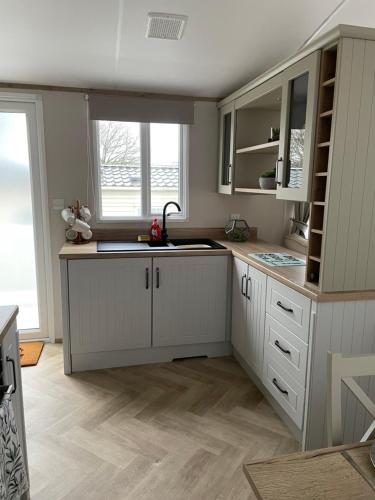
pixel 13 476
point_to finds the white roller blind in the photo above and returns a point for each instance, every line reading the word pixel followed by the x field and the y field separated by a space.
pixel 140 109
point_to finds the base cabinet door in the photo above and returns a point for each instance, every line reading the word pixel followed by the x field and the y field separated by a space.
pixel 189 300
pixel 110 304
pixel 239 306
pixel 248 314
pixel 255 319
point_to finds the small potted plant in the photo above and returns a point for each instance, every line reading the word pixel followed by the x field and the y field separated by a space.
pixel 268 179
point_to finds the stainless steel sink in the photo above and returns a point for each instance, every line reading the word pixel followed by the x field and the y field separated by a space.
pixel 173 244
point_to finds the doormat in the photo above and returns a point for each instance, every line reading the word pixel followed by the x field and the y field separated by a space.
pixel 278 259
pixel 30 353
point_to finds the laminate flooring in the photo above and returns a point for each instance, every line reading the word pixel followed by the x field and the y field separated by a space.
pixel 166 431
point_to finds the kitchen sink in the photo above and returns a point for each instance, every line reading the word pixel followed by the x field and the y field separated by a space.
pixel 173 244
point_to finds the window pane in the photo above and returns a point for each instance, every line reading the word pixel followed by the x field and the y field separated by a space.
pixel 120 169
pixel 17 266
pixel 165 165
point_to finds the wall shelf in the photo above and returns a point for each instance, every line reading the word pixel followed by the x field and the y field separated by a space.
pixel 319 203
pixel 255 191
pixel 315 259
pixel 319 192
pixel 328 83
pixel 326 114
pixel 267 148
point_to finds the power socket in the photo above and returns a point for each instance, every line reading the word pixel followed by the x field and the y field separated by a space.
pixel 235 216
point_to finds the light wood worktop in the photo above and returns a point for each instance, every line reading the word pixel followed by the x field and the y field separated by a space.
pixel 292 276
pixel 342 473
pixel 7 316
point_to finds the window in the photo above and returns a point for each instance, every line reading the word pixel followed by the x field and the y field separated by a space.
pixel 141 166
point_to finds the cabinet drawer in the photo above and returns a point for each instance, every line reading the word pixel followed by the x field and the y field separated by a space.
pixel 290 308
pixel 287 349
pixel 286 391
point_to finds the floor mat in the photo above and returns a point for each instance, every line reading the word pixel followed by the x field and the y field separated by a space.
pixel 30 353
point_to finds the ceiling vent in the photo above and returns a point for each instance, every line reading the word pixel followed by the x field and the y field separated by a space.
pixel 165 26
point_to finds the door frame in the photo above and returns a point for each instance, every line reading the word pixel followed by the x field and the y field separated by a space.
pixel 39 195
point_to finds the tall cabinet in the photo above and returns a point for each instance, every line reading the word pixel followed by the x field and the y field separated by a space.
pixel 287 103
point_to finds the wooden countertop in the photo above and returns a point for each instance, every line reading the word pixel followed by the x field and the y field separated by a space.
pixel 291 276
pixel 7 316
pixel 342 473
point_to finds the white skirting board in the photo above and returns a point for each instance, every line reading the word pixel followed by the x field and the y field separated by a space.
pixel 113 359
pixel 297 433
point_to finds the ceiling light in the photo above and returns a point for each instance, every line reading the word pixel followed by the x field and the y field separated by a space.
pixel 165 26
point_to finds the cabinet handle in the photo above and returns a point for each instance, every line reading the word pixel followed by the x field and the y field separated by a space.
pixel 248 288
pixel 285 351
pixel 11 360
pixel 230 173
pixel 283 391
pixel 242 285
pixel 147 278
pixel 157 278
pixel 278 161
pixel 287 309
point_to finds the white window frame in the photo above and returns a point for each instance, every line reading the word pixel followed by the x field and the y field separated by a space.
pixel 146 178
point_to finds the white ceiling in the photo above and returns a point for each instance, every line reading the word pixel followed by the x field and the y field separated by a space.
pixel 102 44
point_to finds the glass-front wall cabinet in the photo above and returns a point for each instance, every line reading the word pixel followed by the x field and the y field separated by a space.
pixel 226 146
pixel 267 135
pixel 297 127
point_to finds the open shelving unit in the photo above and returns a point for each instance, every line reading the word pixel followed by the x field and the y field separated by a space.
pixel 255 152
pixel 323 148
pixel 255 190
pixel 267 148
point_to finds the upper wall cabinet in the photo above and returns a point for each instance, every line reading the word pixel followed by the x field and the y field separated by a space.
pixel 226 148
pixel 271 132
pixel 297 129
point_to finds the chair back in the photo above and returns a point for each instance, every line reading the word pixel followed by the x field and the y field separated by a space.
pixel 342 369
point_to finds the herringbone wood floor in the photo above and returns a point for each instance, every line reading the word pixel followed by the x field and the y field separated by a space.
pixel 169 431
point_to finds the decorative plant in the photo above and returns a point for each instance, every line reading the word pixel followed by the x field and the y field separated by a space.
pixel 269 174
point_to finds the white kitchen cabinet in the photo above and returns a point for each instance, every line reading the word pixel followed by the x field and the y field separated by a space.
pixel 189 300
pixel 110 304
pixel 256 313
pixel 248 314
pixel 239 305
pixel 297 129
pixel 226 148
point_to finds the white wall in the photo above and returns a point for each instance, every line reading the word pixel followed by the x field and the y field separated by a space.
pixel 66 159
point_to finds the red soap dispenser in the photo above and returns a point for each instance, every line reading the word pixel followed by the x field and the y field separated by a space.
pixel 155 231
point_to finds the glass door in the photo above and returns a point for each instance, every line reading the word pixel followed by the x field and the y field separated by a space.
pixel 21 220
pixel 226 153
pixel 298 116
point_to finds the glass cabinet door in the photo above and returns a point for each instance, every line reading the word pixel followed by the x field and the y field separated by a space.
pixel 226 145
pixel 298 114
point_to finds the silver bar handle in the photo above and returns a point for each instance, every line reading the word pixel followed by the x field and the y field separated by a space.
pixel 248 287
pixel 279 179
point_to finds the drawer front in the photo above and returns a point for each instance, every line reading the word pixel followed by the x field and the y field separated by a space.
pixel 288 349
pixel 289 307
pixel 286 391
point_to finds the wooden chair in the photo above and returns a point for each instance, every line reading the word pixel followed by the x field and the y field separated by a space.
pixel 342 369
